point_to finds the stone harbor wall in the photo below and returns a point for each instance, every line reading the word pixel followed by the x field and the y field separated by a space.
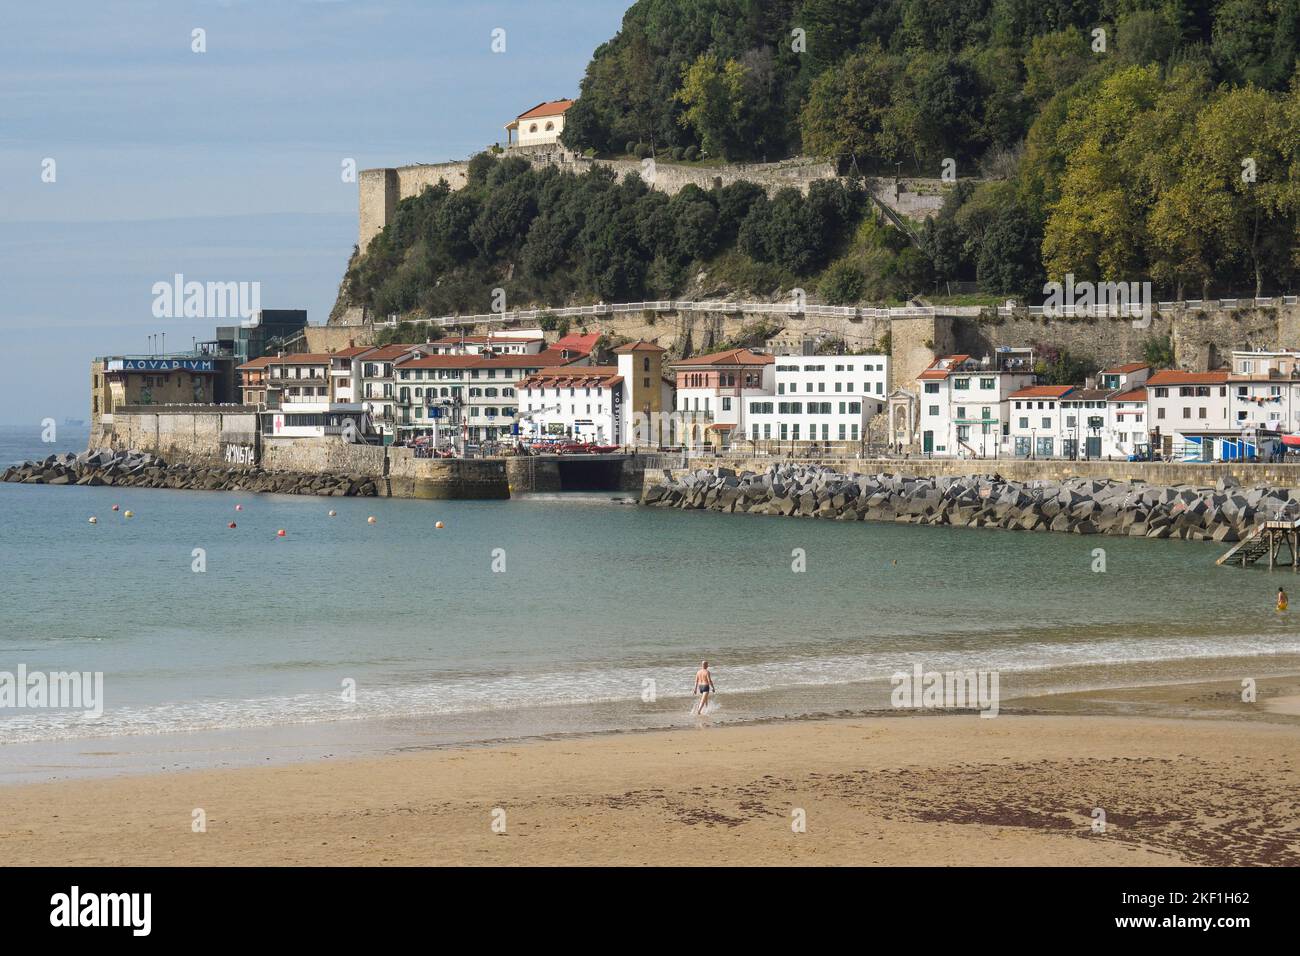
pixel 396 470
pixel 312 467
pixel 1224 511
pixel 197 434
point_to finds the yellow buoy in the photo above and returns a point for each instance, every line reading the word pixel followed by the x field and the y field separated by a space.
pixel 128 514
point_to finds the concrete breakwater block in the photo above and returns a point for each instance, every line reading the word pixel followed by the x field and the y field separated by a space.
pixel 1224 512
pixel 142 470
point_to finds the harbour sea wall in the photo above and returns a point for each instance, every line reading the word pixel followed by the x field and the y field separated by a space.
pixel 1225 510
pixel 220 439
pixel 208 435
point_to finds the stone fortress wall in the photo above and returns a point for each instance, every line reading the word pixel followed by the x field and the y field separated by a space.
pixel 380 190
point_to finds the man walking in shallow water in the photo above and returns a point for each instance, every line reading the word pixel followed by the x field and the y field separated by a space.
pixel 703 687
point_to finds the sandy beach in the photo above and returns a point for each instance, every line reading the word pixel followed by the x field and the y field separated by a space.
pixel 1213 781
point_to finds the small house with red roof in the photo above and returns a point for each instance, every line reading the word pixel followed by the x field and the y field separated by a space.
pixel 575 345
pixel 538 126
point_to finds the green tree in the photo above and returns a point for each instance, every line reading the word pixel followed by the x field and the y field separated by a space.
pixel 1008 256
pixel 1055 62
pixel 713 97
pixel 842 284
pixel 845 111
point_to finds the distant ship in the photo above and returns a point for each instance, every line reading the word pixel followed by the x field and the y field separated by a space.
pixel 74 422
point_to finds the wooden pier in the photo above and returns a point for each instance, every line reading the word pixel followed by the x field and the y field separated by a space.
pixel 1268 539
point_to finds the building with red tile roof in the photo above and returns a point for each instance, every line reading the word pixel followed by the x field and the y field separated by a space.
pixel 628 404
pixel 537 126
pixel 713 393
pixel 964 404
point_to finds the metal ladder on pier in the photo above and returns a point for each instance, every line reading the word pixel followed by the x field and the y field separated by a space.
pixel 1267 540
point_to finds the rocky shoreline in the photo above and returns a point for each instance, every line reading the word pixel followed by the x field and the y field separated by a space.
pixel 1225 512
pixel 131 469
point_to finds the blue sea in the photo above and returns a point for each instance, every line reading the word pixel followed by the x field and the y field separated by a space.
pixel 551 614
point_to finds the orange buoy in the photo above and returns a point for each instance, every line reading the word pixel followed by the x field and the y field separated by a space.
pixel 437 524
pixel 231 525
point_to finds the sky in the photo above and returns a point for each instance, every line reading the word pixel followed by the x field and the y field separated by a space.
pixel 226 165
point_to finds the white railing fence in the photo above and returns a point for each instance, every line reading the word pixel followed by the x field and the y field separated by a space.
pixel 854 313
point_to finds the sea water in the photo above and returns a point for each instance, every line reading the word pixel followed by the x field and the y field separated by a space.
pixel 554 614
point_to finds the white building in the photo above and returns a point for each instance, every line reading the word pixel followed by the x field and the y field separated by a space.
pixel 469 397
pixel 521 342
pixel 602 404
pixel 1038 426
pixel 1084 423
pixel 1264 388
pixel 301 401
pixel 1126 424
pixel 344 374
pixel 826 398
pixel 713 392
pixel 374 374
pixel 1124 377
pixel 1189 414
pixel 540 125
pixel 575 403
pixel 964 403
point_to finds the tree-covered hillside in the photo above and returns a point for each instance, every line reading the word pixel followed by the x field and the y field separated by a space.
pixel 1122 140
pixel 547 236
pixel 888 81
pixel 1117 140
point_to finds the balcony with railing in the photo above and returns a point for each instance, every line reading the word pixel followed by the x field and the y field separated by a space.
pixel 311 378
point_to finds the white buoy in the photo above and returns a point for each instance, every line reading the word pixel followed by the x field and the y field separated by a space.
pixel 94 520
pixel 370 520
